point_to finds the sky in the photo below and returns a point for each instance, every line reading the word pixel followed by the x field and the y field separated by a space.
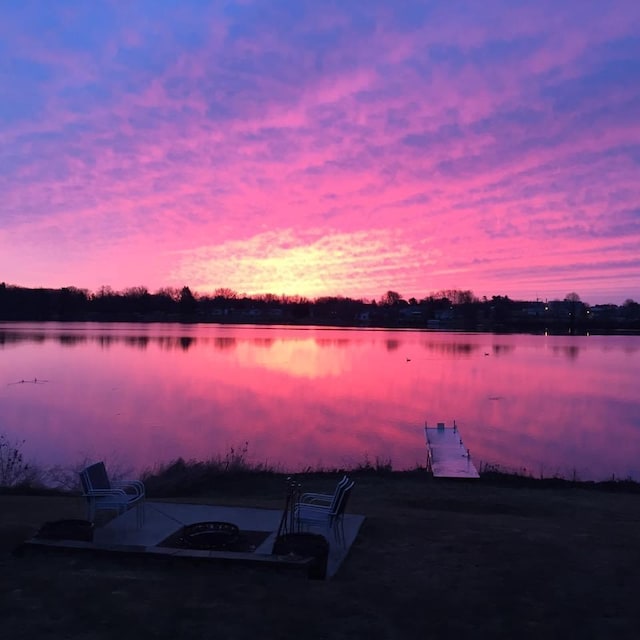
pixel 322 148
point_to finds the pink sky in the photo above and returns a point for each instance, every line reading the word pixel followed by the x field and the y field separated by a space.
pixel 323 148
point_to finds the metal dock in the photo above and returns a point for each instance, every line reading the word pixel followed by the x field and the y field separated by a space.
pixel 447 457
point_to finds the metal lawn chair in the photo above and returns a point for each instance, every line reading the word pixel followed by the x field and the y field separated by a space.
pixel 330 516
pixel 328 499
pixel 103 494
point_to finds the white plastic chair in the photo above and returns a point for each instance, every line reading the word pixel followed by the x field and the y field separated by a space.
pixel 325 498
pixel 102 494
pixel 329 516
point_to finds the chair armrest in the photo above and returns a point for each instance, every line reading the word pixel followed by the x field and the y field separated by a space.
pixel 316 497
pixel 97 493
pixel 312 508
pixel 135 485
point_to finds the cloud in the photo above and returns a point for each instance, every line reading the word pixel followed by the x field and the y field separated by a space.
pixel 309 263
pixel 214 134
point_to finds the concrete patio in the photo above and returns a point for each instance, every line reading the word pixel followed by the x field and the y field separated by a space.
pixel 162 519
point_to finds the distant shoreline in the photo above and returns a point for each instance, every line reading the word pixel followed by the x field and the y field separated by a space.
pixel 135 319
pixel 446 311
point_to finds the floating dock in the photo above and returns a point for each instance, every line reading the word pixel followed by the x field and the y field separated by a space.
pixel 447 457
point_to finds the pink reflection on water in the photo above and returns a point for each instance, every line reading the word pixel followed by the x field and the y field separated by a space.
pixel 143 394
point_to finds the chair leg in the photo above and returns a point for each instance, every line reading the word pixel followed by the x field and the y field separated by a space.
pixel 338 531
pixel 140 514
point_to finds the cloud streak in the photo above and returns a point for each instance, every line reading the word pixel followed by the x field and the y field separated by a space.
pixel 323 149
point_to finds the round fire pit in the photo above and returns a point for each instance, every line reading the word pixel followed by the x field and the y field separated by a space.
pixel 210 535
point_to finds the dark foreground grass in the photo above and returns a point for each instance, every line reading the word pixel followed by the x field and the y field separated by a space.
pixel 435 559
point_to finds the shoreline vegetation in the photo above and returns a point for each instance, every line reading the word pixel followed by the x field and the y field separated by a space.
pixel 180 478
pixel 499 557
pixel 449 310
pixel 193 477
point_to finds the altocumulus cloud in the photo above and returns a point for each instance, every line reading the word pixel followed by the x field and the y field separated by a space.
pixel 323 148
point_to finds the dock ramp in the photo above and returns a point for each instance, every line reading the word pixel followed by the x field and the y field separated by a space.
pixel 447 457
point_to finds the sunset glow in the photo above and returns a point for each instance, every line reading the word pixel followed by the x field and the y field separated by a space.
pixel 322 148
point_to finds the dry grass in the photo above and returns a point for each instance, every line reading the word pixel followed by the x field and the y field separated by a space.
pixel 434 560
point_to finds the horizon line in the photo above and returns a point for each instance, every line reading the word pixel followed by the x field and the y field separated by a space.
pixel 437 295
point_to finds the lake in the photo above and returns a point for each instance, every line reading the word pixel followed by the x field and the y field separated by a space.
pixel 140 394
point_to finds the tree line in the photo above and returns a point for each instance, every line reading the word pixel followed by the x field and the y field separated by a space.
pixel 451 309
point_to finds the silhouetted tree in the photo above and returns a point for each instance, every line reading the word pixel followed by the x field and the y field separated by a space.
pixel 187 302
pixel 573 301
pixel 71 303
pixel 631 312
pixel 225 293
pixel 390 298
pixel 169 292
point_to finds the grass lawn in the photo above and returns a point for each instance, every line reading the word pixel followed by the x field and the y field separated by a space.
pixel 434 559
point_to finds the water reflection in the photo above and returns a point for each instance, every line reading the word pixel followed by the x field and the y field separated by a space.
pixel 570 351
pixel 392 345
pixel 224 343
pixel 318 397
pixel 460 348
pixel 502 349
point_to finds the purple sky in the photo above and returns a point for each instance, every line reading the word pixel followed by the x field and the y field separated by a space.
pixel 322 148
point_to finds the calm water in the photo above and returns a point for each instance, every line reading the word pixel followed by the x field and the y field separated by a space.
pixel 137 395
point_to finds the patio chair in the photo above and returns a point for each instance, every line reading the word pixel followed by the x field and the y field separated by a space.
pixel 325 498
pixel 103 494
pixel 329 516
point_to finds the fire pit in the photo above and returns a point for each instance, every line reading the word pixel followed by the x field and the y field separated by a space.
pixel 209 535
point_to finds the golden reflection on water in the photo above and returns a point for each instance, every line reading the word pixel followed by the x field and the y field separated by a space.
pixel 142 394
